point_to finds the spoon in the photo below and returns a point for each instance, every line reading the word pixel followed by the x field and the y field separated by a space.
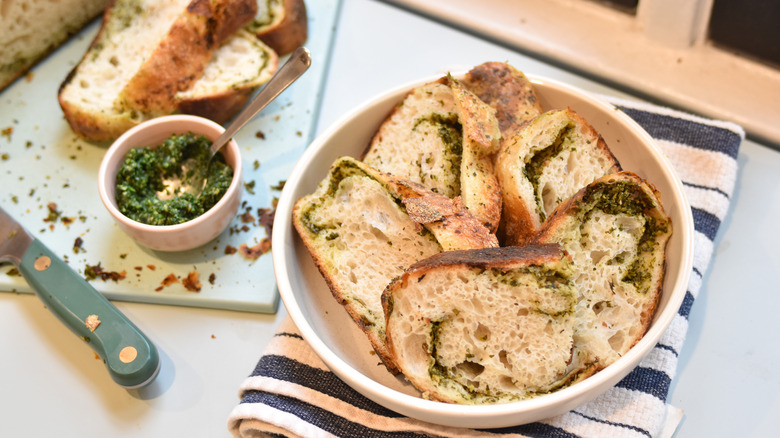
pixel 296 65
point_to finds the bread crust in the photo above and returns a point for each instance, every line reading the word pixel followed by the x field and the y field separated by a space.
pixel 479 185
pixel 454 225
pixel 507 90
pixel 174 66
pixel 488 258
pixel 290 32
pixel 98 127
pixel 230 16
pixel 219 107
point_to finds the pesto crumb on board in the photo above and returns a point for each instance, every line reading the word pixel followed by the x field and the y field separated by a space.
pixel 144 169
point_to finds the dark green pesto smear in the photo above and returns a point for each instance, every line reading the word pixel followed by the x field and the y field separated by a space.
pixel 260 21
pixel 450 131
pixel 345 168
pixel 534 167
pixel 628 199
pixel 552 279
pixel 143 173
pixel 445 376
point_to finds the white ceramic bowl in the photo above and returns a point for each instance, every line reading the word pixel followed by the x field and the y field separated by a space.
pixel 343 347
pixel 187 235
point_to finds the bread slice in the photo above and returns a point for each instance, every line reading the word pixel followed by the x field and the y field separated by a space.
pixel 144 54
pixel 443 137
pixel 486 326
pixel 546 162
pixel 360 235
pixel 31 29
pixel 508 90
pixel 236 70
pixel 616 232
pixel 281 24
pixel 179 58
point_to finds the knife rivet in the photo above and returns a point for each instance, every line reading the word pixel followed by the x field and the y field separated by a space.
pixel 128 354
pixel 42 263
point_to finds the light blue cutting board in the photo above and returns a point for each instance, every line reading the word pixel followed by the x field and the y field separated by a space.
pixel 43 162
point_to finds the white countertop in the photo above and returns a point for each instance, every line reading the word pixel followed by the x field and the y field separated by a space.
pixel 52 385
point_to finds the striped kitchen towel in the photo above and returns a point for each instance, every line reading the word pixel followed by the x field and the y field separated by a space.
pixel 292 393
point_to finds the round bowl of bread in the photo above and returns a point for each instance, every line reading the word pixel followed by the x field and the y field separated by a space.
pixel 483 249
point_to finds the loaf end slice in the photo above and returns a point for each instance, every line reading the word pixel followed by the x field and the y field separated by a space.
pixel 508 90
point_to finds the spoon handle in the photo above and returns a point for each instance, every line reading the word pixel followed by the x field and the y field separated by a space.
pixel 295 66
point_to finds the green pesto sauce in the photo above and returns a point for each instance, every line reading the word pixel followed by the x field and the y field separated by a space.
pixel 261 21
pixel 545 277
pixel 446 377
pixel 535 166
pixel 625 198
pixel 450 131
pixel 558 281
pixel 143 173
pixel 345 169
pixel 123 13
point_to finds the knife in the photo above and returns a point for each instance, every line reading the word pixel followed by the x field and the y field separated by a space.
pixel 130 357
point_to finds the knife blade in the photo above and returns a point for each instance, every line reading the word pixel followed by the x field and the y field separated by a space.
pixel 131 358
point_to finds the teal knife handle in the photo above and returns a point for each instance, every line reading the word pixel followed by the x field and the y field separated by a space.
pixel 132 360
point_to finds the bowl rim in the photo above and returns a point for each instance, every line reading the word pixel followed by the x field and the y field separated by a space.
pixel 565 398
pixel 113 153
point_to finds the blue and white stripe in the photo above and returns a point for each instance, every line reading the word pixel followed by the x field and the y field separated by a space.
pixel 291 393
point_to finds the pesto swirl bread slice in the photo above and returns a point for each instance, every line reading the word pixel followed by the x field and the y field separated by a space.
pixel 32 29
pixel 508 90
pixel 486 326
pixel 236 70
pixel 143 55
pixel 616 232
pixel 546 162
pixel 442 136
pixel 281 24
pixel 178 59
pixel 358 230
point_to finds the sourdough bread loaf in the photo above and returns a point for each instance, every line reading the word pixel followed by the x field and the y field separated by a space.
pixel 546 162
pixel 144 54
pixel 486 326
pixel 616 231
pixel 32 29
pixel 443 137
pixel 360 235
